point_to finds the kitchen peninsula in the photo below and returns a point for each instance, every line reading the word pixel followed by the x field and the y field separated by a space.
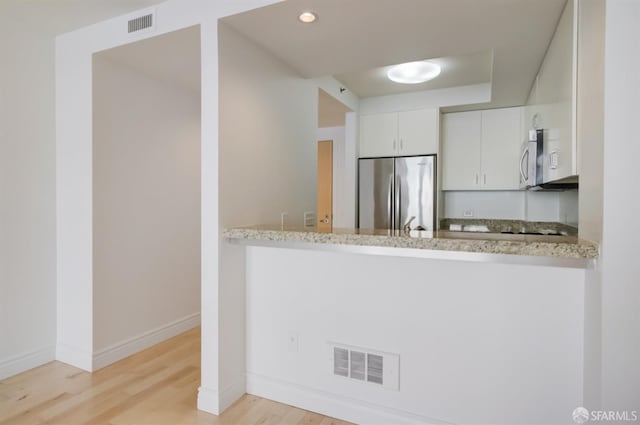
pixel 451 313
pixel 567 251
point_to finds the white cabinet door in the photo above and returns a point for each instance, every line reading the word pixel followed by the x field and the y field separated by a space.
pixel 418 132
pixel 501 143
pixel 461 150
pixel 378 135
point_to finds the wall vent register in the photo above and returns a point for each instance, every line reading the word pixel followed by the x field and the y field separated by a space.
pixel 140 23
pixel 365 365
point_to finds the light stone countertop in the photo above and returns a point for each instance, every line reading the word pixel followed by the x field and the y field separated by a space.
pixel 553 247
pixel 508 226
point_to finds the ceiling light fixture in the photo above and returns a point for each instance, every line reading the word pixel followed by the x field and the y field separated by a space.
pixel 307 17
pixel 414 72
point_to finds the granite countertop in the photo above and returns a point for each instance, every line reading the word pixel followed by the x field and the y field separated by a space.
pixel 568 247
pixel 507 226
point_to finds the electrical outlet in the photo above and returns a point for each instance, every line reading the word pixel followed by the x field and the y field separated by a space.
pixel 293 342
pixel 467 213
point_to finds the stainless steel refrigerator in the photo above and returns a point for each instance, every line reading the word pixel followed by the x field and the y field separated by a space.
pixel 397 193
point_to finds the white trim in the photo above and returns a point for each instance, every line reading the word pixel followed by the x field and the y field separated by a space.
pixel 73 356
pixel 232 393
pixel 334 405
pixel 113 353
pixel 18 364
pixel 209 400
pixel 216 402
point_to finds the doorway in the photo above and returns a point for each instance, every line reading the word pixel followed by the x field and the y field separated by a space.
pixel 146 193
pixel 332 163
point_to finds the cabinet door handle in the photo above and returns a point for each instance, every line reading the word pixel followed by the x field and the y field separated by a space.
pixel 401 145
pixel 484 177
pixel 394 144
pixel 477 178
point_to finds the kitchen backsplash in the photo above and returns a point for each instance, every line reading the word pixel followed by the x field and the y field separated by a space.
pixel 513 205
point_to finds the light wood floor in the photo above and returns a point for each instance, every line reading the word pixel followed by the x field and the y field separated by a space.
pixel 157 386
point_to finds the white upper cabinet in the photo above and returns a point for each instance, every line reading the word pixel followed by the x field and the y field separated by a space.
pixel 461 147
pixel 418 132
pixel 481 149
pixel 502 142
pixel 552 100
pixel 567 97
pixel 406 133
pixel 378 135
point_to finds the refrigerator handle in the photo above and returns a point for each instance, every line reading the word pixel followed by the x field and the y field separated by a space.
pixel 397 218
pixel 390 204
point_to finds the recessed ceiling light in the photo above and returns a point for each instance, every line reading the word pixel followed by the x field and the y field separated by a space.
pixel 307 17
pixel 414 72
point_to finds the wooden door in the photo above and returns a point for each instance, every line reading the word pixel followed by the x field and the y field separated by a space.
pixel 325 186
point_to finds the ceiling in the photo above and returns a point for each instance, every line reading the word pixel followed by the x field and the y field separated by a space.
pixel 352 37
pixel 455 71
pixel 173 57
pixel 60 16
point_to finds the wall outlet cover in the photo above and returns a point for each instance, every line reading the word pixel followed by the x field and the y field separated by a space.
pixel 293 342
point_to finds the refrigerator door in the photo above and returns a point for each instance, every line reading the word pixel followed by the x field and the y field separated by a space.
pixel 375 181
pixel 415 192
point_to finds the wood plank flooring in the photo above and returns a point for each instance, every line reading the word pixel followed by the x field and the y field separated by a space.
pixel 155 387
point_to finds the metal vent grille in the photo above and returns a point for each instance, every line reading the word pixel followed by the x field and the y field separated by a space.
pixel 365 365
pixel 340 361
pixel 357 365
pixel 374 368
pixel 141 23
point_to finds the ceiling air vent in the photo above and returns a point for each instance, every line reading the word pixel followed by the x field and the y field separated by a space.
pixel 141 23
pixel 365 365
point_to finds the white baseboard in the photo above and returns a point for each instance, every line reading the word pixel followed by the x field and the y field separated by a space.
pixel 216 402
pixel 73 356
pixel 23 362
pixel 209 400
pixel 119 351
pixel 333 405
pixel 233 392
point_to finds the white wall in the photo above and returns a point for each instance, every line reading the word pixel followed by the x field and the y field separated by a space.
pixel 146 209
pixel 569 210
pixel 590 124
pixel 352 136
pixel 474 346
pixel 267 132
pixel 27 197
pixel 499 205
pixel 619 265
pixel 514 205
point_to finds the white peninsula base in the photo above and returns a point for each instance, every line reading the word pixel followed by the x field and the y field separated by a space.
pixel 480 343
